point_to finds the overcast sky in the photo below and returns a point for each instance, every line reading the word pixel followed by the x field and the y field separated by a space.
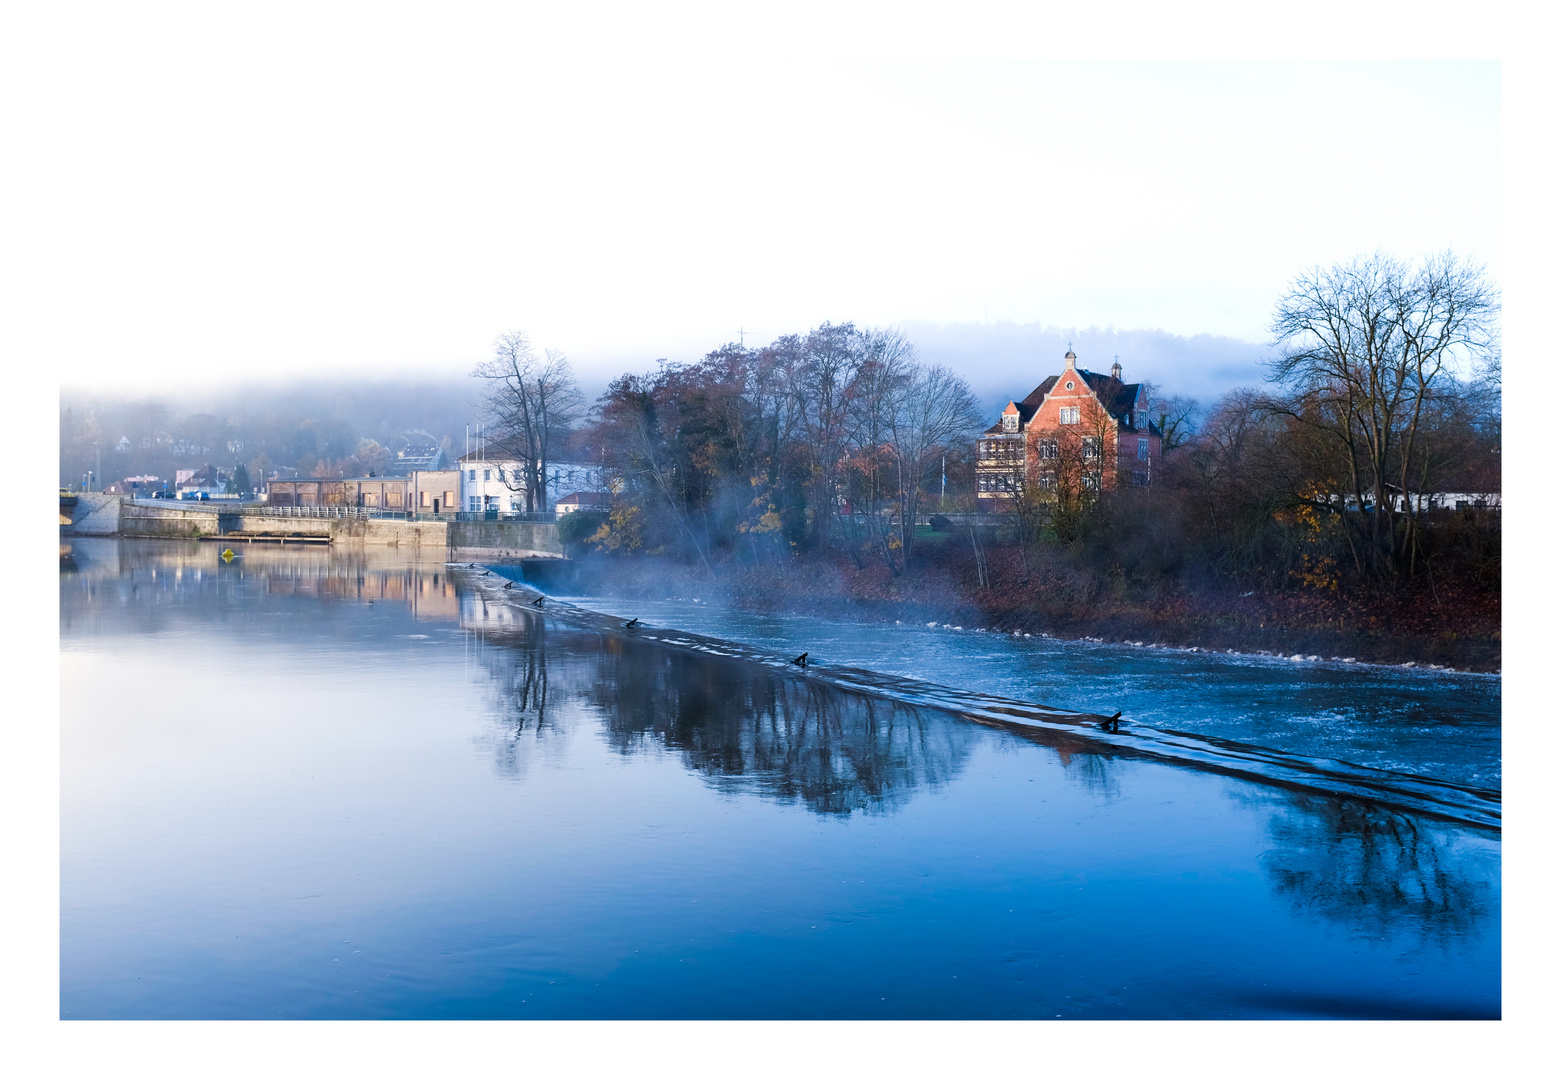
pixel 313 194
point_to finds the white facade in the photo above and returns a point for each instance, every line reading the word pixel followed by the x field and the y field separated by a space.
pixel 498 484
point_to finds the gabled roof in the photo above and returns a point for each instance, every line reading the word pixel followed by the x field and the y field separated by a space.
pixel 1028 407
pixel 1116 396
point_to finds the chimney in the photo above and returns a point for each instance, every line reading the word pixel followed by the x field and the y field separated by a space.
pixel 1116 370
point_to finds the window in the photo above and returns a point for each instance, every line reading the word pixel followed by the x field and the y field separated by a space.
pixel 449 500
pixel 1068 385
pixel 425 497
pixel 1140 479
pixel 393 499
pixel 1143 449
pixel 487 475
pixel 1010 423
pixel 1069 416
pixel 1046 449
pixel 471 474
pixel 1091 447
pixel 473 502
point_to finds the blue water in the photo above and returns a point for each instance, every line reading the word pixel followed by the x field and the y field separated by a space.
pixel 326 784
pixel 1440 724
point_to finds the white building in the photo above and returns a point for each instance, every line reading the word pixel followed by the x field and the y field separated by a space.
pixel 498 484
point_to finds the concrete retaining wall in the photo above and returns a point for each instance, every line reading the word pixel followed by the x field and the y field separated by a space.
pixel 173 521
pixel 504 539
pixel 387 531
pixel 95 514
pixel 488 539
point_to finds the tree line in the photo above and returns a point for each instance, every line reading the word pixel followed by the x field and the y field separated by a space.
pixel 832 441
pixel 1384 388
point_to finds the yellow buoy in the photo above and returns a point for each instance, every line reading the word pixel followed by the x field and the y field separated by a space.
pixel 227 554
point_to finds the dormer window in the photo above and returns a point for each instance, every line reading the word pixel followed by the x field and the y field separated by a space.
pixel 1010 423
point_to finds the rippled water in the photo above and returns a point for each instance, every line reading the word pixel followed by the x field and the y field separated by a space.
pixel 331 784
pixel 1440 724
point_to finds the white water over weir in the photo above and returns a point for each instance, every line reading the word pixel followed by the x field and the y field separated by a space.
pixel 1479 807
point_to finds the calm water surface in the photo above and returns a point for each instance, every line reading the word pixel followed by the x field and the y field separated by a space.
pixel 325 784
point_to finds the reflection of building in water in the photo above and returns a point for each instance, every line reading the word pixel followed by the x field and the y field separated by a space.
pixel 428 591
pixel 742 727
pixel 356 575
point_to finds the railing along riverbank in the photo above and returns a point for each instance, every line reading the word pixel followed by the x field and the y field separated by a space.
pixel 330 512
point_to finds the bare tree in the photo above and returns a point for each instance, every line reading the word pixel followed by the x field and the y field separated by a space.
pixel 1071 463
pixel 824 378
pixel 877 394
pixel 1365 346
pixel 531 401
pixel 1175 417
pixel 936 412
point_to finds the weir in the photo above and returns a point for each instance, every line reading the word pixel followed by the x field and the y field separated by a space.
pixel 1064 729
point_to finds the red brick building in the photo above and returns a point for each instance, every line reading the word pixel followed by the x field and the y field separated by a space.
pixel 1075 434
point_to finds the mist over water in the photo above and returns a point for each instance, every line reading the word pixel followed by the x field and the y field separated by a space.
pixel 328 783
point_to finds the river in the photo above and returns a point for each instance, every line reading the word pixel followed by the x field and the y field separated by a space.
pixel 345 784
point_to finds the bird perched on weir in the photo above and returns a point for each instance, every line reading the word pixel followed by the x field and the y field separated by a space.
pixel 631 624
pixel 1110 723
pixel 509 584
pixel 538 601
pixel 801 661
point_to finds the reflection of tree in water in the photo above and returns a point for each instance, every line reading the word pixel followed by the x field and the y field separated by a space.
pixel 519 690
pixel 743 728
pixel 1083 762
pixel 751 730
pixel 1379 870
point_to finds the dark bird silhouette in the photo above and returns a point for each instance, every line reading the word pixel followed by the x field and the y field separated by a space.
pixel 538 601
pixel 471 565
pixel 801 661
pixel 509 584
pixel 631 624
pixel 486 573
pixel 1110 723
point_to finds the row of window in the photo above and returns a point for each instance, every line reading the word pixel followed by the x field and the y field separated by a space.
pixel 478 503
pixel 1007 449
pixel 1007 484
pixel 1047 448
pixel 1069 414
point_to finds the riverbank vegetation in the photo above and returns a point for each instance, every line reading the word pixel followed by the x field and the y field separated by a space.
pixel 833 469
